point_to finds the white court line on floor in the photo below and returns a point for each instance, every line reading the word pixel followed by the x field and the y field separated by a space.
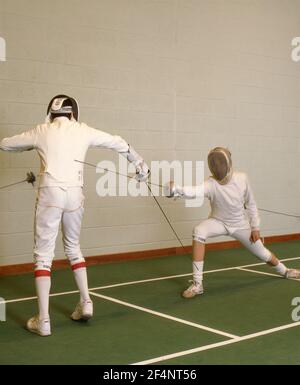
pixel 216 345
pixel 146 280
pixel 259 272
pixel 32 298
pixel 185 275
pixel 265 273
pixel 163 315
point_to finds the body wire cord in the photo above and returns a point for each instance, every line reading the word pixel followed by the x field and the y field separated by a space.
pixel 279 213
pixel 170 224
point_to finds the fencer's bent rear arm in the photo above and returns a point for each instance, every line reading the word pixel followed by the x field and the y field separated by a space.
pixel 21 142
pixel 251 208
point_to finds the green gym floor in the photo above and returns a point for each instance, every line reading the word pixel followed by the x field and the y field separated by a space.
pixel 244 316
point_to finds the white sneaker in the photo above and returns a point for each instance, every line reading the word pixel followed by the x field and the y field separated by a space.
pixel 83 311
pixel 40 327
pixel 194 289
pixel 292 273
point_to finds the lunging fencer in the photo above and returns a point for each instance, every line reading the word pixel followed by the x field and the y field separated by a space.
pixel 59 142
pixel 233 212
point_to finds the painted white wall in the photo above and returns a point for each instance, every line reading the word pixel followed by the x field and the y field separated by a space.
pixel 173 77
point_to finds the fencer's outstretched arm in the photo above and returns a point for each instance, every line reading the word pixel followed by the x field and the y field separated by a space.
pixel 22 142
pixel 187 192
pixel 114 142
pixel 250 206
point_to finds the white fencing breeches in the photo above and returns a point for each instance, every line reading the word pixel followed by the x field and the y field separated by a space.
pixel 57 206
pixel 211 227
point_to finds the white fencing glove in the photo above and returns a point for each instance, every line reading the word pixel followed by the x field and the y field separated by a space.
pixel 172 191
pixel 142 172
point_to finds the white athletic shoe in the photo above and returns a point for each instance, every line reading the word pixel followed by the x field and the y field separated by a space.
pixel 40 327
pixel 194 289
pixel 83 311
pixel 293 273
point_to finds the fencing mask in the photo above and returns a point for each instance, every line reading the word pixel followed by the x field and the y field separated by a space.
pixel 220 164
pixel 61 105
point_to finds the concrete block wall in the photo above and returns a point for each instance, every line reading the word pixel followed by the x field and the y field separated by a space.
pixel 173 77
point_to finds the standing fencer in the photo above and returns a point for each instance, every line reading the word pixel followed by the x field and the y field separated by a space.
pixel 60 141
pixel 233 212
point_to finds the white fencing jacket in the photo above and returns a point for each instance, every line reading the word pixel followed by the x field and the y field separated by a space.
pixel 58 144
pixel 232 203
